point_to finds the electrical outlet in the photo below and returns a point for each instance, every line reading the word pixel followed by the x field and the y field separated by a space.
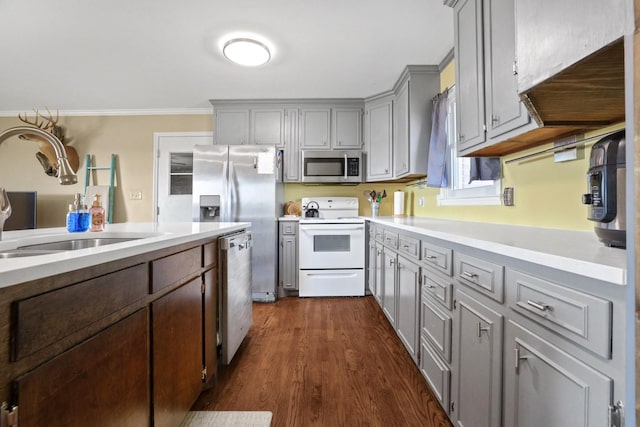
pixel 421 201
pixel 135 195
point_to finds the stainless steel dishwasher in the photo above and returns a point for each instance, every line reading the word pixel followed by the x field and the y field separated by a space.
pixel 235 292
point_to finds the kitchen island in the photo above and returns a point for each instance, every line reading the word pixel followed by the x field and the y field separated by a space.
pixel 117 334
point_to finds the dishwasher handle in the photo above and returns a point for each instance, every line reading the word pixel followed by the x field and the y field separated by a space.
pixel 240 241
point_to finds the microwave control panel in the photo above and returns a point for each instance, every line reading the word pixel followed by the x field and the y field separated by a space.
pixel 353 166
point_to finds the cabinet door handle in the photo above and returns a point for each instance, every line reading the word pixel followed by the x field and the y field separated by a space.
pixel 392 261
pixel 469 275
pixel 482 329
pixel 518 357
pixel 539 305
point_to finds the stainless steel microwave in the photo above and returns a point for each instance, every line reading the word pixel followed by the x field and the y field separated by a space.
pixel 332 167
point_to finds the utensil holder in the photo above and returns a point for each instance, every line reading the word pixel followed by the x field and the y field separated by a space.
pixel 375 207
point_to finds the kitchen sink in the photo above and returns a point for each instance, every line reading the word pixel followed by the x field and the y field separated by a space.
pixel 17 253
pixel 71 245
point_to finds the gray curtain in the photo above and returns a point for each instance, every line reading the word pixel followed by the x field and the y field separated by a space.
pixel 483 168
pixel 437 164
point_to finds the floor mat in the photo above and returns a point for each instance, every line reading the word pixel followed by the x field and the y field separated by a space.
pixel 227 419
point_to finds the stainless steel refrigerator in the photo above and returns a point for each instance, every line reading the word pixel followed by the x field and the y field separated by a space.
pixel 234 183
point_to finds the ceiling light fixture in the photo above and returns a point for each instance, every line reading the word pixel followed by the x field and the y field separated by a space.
pixel 245 51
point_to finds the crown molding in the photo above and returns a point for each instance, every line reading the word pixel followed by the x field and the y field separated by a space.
pixel 124 112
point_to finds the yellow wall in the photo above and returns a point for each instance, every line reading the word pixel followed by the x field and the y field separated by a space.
pixel 129 137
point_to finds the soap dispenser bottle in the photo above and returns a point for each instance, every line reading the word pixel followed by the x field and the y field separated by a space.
pixel 97 214
pixel 78 218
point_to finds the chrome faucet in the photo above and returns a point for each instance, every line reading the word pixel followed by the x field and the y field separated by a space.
pixel 66 175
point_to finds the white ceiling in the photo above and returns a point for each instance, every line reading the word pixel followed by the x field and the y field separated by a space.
pixel 100 56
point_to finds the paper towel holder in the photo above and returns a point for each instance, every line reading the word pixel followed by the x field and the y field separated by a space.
pixel 398 204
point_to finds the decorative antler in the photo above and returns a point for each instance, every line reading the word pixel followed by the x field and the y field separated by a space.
pixel 46 156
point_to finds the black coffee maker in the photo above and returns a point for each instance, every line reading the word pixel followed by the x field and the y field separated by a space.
pixel 606 180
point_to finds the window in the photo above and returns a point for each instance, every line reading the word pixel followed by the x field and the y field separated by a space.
pixel 180 173
pixel 460 191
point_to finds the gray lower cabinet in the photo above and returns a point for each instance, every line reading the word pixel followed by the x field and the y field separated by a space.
pixel 371 267
pixel 545 386
pixel 379 273
pixel 378 135
pixel 288 257
pixel 408 304
pixel 389 269
pixel 476 398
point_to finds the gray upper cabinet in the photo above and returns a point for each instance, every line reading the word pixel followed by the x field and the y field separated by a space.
pixel 413 106
pixel 401 131
pixel 469 74
pixel 505 111
pixel 237 124
pixel 347 128
pixel 315 128
pixel 489 110
pixel 544 386
pixel 267 126
pixel 553 35
pixel 378 134
pixel 231 125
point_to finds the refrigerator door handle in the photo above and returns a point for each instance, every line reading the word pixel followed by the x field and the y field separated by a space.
pixel 233 196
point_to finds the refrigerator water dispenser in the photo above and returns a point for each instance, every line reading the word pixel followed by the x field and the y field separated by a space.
pixel 209 208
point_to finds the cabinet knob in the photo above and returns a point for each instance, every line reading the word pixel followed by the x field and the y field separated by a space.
pixel 386 171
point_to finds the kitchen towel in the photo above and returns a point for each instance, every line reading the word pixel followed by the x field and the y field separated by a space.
pixel 398 203
pixel 437 163
pixel 485 168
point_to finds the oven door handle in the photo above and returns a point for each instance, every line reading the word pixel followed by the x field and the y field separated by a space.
pixel 313 228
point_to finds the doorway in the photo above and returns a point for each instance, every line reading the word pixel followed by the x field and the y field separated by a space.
pixel 173 173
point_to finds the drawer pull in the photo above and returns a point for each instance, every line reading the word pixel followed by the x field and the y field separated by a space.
pixel 538 305
pixel 481 329
pixel 405 246
pixel 431 257
pixel 518 357
pixel 430 286
pixel 469 275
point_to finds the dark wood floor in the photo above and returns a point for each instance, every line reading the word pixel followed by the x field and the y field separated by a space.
pixel 324 362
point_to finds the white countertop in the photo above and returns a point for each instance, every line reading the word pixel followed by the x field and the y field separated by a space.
pixel 577 252
pixel 150 237
pixel 290 218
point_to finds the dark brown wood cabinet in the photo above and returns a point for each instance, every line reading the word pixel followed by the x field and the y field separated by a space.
pixel 131 342
pixel 177 353
pixel 103 381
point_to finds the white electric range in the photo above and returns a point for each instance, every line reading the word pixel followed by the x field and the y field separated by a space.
pixel 331 248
